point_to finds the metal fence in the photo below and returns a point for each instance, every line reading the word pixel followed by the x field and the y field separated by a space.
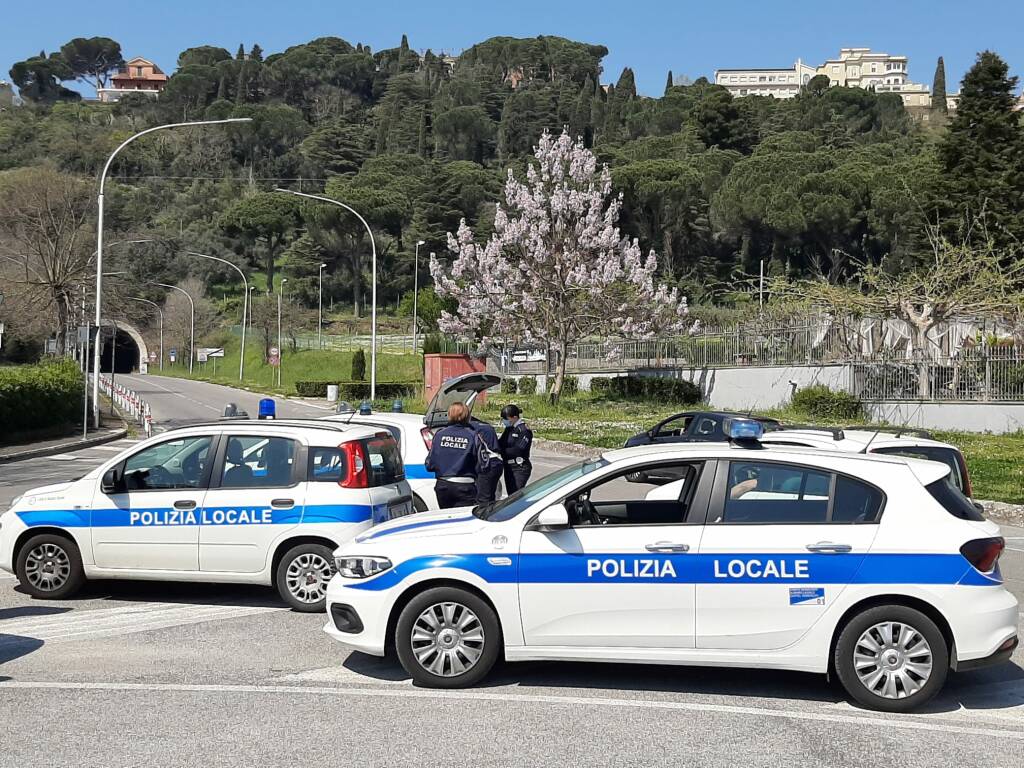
pixel 982 374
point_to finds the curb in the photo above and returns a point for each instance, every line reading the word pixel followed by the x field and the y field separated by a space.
pixel 575 449
pixel 74 445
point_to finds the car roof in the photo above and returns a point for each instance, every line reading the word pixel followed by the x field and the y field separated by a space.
pixel 411 420
pixel 853 439
pixel 316 430
pixel 926 471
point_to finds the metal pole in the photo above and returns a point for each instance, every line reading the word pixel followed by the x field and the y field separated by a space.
pixel 245 304
pixel 279 348
pixel 113 363
pixel 192 322
pixel 161 312
pixel 320 309
pixel 760 290
pixel 373 262
pixel 416 291
pixel 99 237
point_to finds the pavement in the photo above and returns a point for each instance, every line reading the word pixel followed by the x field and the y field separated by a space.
pixel 138 673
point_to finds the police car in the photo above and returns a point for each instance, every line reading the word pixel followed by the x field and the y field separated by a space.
pixel 253 502
pixel 414 432
pixel 876 569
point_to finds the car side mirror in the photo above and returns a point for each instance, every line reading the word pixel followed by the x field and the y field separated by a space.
pixel 979 506
pixel 554 518
pixel 111 482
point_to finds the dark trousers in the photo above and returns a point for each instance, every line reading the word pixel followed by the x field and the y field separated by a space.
pixel 455 494
pixel 487 484
pixel 516 476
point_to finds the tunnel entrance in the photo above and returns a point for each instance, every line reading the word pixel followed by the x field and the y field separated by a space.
pixel 120 353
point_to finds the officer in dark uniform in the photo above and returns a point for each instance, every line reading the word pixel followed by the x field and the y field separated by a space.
pixel 452 458
pixel 489 463
pixel 515 443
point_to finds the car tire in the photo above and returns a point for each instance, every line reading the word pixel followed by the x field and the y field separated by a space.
pixel 49 566
pixel 475 645
pixel 418 504
pixel 891 658
pixel 302 576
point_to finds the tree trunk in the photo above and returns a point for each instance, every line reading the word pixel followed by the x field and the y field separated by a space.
pixel 269 269
pixel 555 392
pixel 357 285
pixel 920 337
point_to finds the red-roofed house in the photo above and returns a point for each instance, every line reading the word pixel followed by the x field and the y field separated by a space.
pixel 137 76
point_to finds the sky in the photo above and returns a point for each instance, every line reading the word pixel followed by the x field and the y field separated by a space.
pixel 689 37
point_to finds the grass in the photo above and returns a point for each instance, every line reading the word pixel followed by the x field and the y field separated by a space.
pixel 303 365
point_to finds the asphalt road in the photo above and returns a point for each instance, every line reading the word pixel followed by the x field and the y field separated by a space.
pixel 199 675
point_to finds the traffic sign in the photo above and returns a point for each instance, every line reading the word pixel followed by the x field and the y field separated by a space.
pixel 274 358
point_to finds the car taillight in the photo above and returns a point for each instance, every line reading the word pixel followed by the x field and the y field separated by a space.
pixel 356 474
pixel 428 437
pixel 983 554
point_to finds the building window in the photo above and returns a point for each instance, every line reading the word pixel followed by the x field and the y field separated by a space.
pixel 743 91
pixel 761 79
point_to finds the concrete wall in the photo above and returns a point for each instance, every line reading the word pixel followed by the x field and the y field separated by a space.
pixel 997 418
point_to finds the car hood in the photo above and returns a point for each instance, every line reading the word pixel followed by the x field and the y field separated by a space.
pixel 446 523
pixel 43 493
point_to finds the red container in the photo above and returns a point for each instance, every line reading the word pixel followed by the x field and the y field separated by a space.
pixel 439 368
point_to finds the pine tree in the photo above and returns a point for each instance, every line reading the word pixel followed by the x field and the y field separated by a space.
pixel 404 44
pixel 240 55
pixel 983 151
pixel 939 87
pixel 668 83
pixel 255 53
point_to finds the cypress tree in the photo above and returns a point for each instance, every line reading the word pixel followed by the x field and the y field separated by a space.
pixel 255 53
pixel 240 55
pixel 939 87
pixel 668 83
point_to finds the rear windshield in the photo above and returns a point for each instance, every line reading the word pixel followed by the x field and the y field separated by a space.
pixel 386 465
pixel 947 456
pixel 953 500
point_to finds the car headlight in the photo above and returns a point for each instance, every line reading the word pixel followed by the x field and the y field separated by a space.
pixel 360 567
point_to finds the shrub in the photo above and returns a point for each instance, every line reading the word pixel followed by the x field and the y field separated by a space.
pixel 359 365
pixel 601 385
pixel 527 385
pixel 570 386
pixel 432 343
pixel 820 402
pixel 34 397
pixel 658 388
pixel 508 386
pixel 357 390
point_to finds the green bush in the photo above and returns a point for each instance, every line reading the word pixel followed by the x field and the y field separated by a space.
pixel 659 388
pixel 570 386
pixel 527 385
pixel 820 402
pixel 433 343
pixel 600 385
pixel 34 397
pixel 508 386
pixel 359 365
pixel 357 390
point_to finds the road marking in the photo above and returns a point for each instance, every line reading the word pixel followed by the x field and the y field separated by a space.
pixel 897 722
pixel 186 397
pixel 64 457
pixel 123 620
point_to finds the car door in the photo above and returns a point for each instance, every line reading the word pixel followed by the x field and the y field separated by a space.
pixel 781 543
pixel 256 494
pixel 151 519
pixel 620 576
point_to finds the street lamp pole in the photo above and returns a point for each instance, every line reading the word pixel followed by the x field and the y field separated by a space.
pixel 373 263
pixel 280 346
pixel 320 309
pixel 245 304
pixel 415 290
pixel 154 304
pixel 192 322
pixel 99 241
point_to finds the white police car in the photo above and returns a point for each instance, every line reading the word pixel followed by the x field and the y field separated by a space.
pixel 255 502
pixel 874 568
pixel 414 432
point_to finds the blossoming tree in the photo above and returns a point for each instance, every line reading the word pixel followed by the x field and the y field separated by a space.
pixel 556 270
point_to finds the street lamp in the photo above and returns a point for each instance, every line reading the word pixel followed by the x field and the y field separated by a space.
pixel 416 290
pixel 320 308
pixel 373 263
pixel 245 303
pixel 280 347
pixel 99 240
pixel 153 303
pixel 192 322
pixel 251 289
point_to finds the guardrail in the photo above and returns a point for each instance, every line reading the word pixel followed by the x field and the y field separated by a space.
pixel 985 374
pixel 129 402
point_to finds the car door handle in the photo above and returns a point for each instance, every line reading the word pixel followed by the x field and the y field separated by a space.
pixel 185 504
pixel 829 547
pixel 282 503
pixel 667 546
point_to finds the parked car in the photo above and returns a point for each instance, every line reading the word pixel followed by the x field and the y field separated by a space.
pixel 695 426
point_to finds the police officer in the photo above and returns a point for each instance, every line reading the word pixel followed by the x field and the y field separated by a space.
pixel 515 444
pixel 452 458
pixel 489 463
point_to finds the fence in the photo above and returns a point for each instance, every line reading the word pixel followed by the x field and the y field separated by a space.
pixel 129 402
pixel 981 374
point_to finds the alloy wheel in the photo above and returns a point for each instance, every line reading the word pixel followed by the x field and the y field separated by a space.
pixel 892 659
pixel 447 639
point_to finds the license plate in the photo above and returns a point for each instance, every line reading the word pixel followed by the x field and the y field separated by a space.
pixel 400 509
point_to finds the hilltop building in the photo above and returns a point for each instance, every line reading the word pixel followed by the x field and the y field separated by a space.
pixel 137 76
pixel 6 95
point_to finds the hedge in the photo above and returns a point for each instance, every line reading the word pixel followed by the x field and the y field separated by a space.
pixel 570 386
pixel 508 386
pixel 358 390
pixel 820 402
pixel 654 388
pixel 34 397
pixel 601 385
pixel 527 385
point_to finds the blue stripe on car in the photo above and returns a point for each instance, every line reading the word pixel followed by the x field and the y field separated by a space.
pixel 417 472
pixel 413 526
pixel 241 514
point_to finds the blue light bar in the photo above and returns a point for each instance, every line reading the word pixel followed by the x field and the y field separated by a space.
pixel 365 408
pixel 397 407
pixel 744 429
pixel 268 409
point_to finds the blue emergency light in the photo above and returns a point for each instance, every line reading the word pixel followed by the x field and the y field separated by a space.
pixel 397 407
pixel 744 429
pixel 268 410
pixel 365 408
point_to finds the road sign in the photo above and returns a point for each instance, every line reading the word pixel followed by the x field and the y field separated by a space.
pixel 173 354
pixel 205 353
pixel 152 357
pixel 274 358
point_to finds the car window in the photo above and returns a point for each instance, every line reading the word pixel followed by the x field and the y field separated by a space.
pixel 947 456
pixel 327 465
pixel 761 492
pixel 386 466
pixel 254 461
pixel 173 464
pixel 656 495
pixel 524 498
pixel 855 502
pixel 675 427
pixel 706 426
pixel 396 432
pixel 953 500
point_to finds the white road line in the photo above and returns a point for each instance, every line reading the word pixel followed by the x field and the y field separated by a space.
pixel 186 397
pixel 63 457
pixel 897 722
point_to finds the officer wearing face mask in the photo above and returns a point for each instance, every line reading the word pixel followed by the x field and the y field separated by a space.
pixel 515 443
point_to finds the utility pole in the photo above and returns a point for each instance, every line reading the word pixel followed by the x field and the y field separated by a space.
pixel 416 289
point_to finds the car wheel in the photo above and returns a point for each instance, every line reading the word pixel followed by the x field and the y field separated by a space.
pixel 418 504
pixel 302 577
pixel 447 638
pixel 49 566
pixel 891 658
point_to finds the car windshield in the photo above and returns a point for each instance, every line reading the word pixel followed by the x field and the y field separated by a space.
pixel 510 506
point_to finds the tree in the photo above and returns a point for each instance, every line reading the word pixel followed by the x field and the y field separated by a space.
pixel 92 60
pixel 556 269
pixel 267 216
pixel 38 79
pixel 669 83
pixel 939 88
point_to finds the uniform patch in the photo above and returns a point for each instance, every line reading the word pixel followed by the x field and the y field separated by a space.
pixel 807 596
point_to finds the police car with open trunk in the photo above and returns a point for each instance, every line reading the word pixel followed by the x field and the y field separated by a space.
pixel 874 568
